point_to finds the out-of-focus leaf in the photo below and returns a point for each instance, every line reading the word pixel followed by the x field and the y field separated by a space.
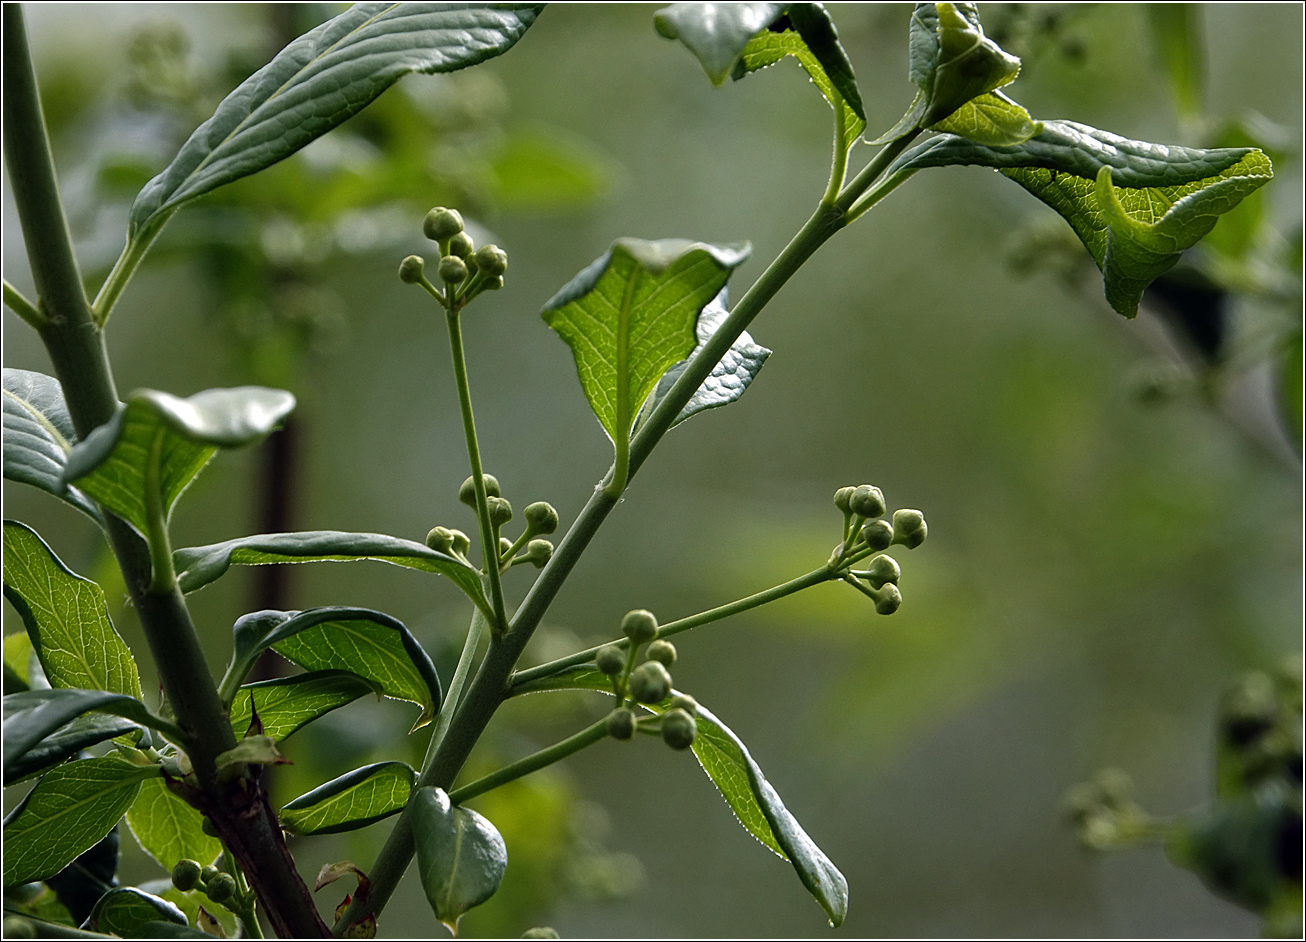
pixel 354 800
pixel 322 78
pixel 197 566
pixel 716 33
pixel 1177 39
pixel 71 808
pixel 287 704
pixel 66 617
pixel 155 430
pixel 460 856
pixel 535 172
pixel 38 435
pixel 19 658
pixel 1135 206
pixel 168 829
pixel 125 909
pixel 728 379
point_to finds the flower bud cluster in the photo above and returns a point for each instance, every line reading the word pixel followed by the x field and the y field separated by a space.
pixel 464 269
pixel 866 533
pixel 649 683
pixel 218 886
pixel 1104 813
pixel 1260 728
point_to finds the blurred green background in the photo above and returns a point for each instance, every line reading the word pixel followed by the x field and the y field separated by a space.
pixel 1097 571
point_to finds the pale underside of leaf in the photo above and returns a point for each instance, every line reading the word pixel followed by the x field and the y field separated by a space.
pixel 356 799
pixel 716 33
pixel 38 435
pixel 768 48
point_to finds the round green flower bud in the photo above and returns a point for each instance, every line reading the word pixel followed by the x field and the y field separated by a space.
pixel 206 825
pixel 492 260
pixel 541 932
pixel 867 501
pixel 208 873
pixel 539 552
pixel 441 224
pixel 890 599
pixel 186 875
pixel 639 626
pixel 1115 786
pixel 452 269
pixel 883 569
pixel 505 544
pixel 611 659
pixel 541 517
pixel 650 682
pixel 16 927
pixel 467 493
pixel 909 528
pixel 678 729
pixel 440 539
pixel 500 510
pixel 411 269
pixel 842 499
pixel 221 888
pixel 461 544
pixel 683 701
pixel 664 652
pixel 878 535
pixel 462 246
pixel 621 724
pixel 494 284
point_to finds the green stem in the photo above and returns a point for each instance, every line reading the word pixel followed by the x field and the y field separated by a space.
pixel 871 172
pixel 163 576
pixel 133 254
pixel 505 558
pixel 586 737
pixel 475 632
pixel 813 578
pixel 879 192
pixel 24 308
pixel 489 543
pixel 839 169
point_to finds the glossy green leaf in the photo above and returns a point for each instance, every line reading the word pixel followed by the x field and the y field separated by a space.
pixel 169 829
pixel 65 742
pixel 197 566
pixel 71 808
pixel 952 61
pixel 354 800
pixel 125 909
pixel 66 618
pixel 740 781
pixel 38 435
pixel 1177 40
pixel 767 48
pixel 716 33
pixel 32 716
pixel 287 704
pixel 163 929
pixel 1135 206
pixel 631 316
pixel 318 81
pixel 376 647
pixel 460 856
pixel 992 119
pixel 91 874
pixel 179 436
pixel 728 379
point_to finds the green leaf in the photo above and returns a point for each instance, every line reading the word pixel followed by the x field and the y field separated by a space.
pixel 376 647
pixel 287 704
pixel 630 316
pixel 716 33
pixel 318 81
pixel 191 902
pixel 460 856
pixel 354 800
pixel 38 435
pixel 178 436
pixel 768 48
pixel 1177 40
pixel 21 671
pixel 728 379
pixel 197 566
pixel 92 874
pixel 740 781
pixel 168 829
pixel 33 715
pixel 65 742
pixel 1135 206
pixel 69 810
pixel 992 119
pixel 951 59
pixel 125 909
pixel 66 618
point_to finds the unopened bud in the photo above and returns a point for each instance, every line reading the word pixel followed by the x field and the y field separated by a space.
pixel 639 626
pixel 883 569
pixel 441 224
pixel 411 269
pixel 541 932
pixel 500 510
pixel 539 552
pixel 679 729
pixel 1115 787
pixel 467 493
pixel 452 269
pixel 208 873
pixel 867 501
pixel 650 682
pixel 440 539
pixel 186 874
pixel 878 535
pixel 494 283
pixel 541 517
pixel 220 888
pixel 842 498
pixel 492 260
pixel 662 651
pixel 909 528
pixel 461 543
pixel 505 544
pixel 889 599
pixel 462 246
pixel 611 659
pixel 621 724
pixel 683 701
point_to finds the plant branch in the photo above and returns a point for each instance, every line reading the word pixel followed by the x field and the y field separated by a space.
pixel 24 308
pixel 475 632
pixel 871 172
pixel 839 168
pixel 558 751
pixel 133 254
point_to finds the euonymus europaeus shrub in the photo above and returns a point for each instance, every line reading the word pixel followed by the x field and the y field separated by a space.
pixel 656 341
